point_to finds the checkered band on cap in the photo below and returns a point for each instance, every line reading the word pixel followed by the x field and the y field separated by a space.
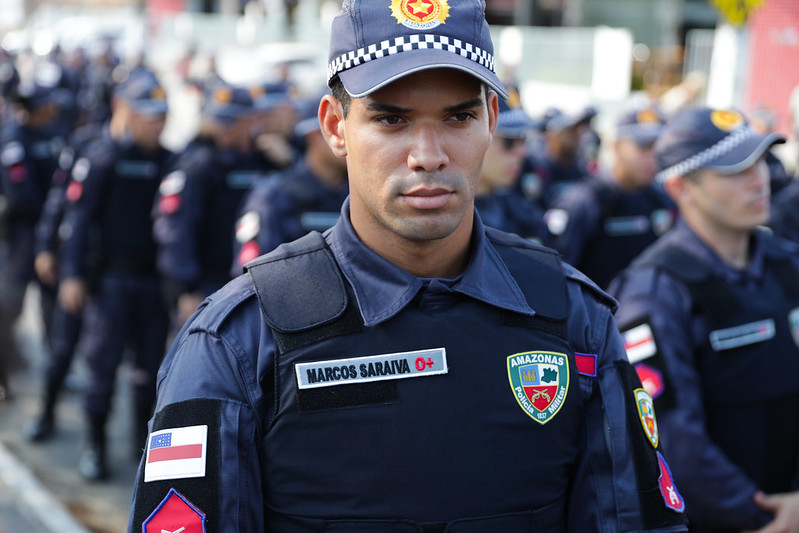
pixel 408 43
pixel 706 156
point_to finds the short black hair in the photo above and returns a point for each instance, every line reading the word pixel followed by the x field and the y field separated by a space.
pixel 341 94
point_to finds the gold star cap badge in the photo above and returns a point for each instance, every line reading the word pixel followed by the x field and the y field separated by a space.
pixel 420 14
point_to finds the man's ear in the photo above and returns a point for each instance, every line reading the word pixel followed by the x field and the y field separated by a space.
pixel 677 188
pixel 493 111
pixel 331 121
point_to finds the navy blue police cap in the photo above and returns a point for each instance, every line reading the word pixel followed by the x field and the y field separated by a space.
pixel 271 95
pixel 513 122
pixel 227 103
pixel 719 139
pixel 642 125
pixel 144 93
pixel 555 120
pixel 376 42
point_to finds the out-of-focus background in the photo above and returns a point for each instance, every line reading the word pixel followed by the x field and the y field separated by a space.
pixel 563 54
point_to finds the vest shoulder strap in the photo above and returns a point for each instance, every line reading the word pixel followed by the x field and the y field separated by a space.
pixel 299 285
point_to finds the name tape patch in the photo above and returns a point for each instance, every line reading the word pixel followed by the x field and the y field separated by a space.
pixel 743 335
pixel 371 368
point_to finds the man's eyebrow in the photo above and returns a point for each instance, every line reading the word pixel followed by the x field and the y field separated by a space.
pixel 463 106
pixel 382 107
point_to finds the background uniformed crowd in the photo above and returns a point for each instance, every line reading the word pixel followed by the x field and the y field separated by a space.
pixel 124 238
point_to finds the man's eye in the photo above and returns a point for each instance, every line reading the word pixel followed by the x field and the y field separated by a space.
pixel 390 120
pixel 462 117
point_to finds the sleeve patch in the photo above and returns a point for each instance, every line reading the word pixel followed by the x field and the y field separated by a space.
pixel 13 153
pixel 248 227
pixel 639 343
pixel 175 514
pixel 174 183
pixel 176 453
pixel 668 489
pixel 202 492
pixel 586 363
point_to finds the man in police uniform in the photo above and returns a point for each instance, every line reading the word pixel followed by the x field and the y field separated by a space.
pixel 557 162
pixel 603 223
pixel 497 198
pixel 305 197
pixel 198 201
pixel 108 261
pixel 710 316
pixel 29 148
pixel 407 370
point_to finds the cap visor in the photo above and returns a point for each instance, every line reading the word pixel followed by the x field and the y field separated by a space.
pixel 745 154
pixel 376 73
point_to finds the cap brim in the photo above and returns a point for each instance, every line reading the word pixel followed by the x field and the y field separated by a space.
pixel 745 154
pixel 151 109
pixel 372 75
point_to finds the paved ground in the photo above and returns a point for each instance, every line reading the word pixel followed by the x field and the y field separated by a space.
pixel 100 507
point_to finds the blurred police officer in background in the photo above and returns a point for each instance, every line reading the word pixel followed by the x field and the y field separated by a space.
pixel 29 150
pixel 275 117
pixel 199 201
pixel 108 261
pixel 409 369
pixel 556 162
pixel 497 198
pixel 304 197
pixel 710 317
pixel 62 335
pixel 603 223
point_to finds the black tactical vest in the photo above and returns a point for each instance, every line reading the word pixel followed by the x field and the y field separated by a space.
pixel 364 439
pixel 749 363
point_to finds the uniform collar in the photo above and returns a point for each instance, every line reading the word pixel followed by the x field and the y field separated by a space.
pixel 383 289
pixel 685 237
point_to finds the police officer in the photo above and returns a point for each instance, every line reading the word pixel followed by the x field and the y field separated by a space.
pixel 709 314
pixel 304 197
pixel 557 161
pixel 409 369
pixel 63 328
pixel 603 223
pixel 28 158
pixel 108 260
pixel 199 201
pixel 497 199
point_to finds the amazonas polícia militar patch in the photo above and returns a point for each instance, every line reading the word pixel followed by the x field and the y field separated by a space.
pixel 540 382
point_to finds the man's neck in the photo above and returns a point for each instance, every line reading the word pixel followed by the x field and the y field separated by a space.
pixel 732 246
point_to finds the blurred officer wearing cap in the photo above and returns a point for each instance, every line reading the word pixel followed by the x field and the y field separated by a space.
pixel 199 200
pixel 497 199
pixel 29 147
pixel 63 333
pixel 108 261
pixel 275 118
pixel 408 369
pixel 709 315
pixel 557 162
pixel 304 197
pixel 603 223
